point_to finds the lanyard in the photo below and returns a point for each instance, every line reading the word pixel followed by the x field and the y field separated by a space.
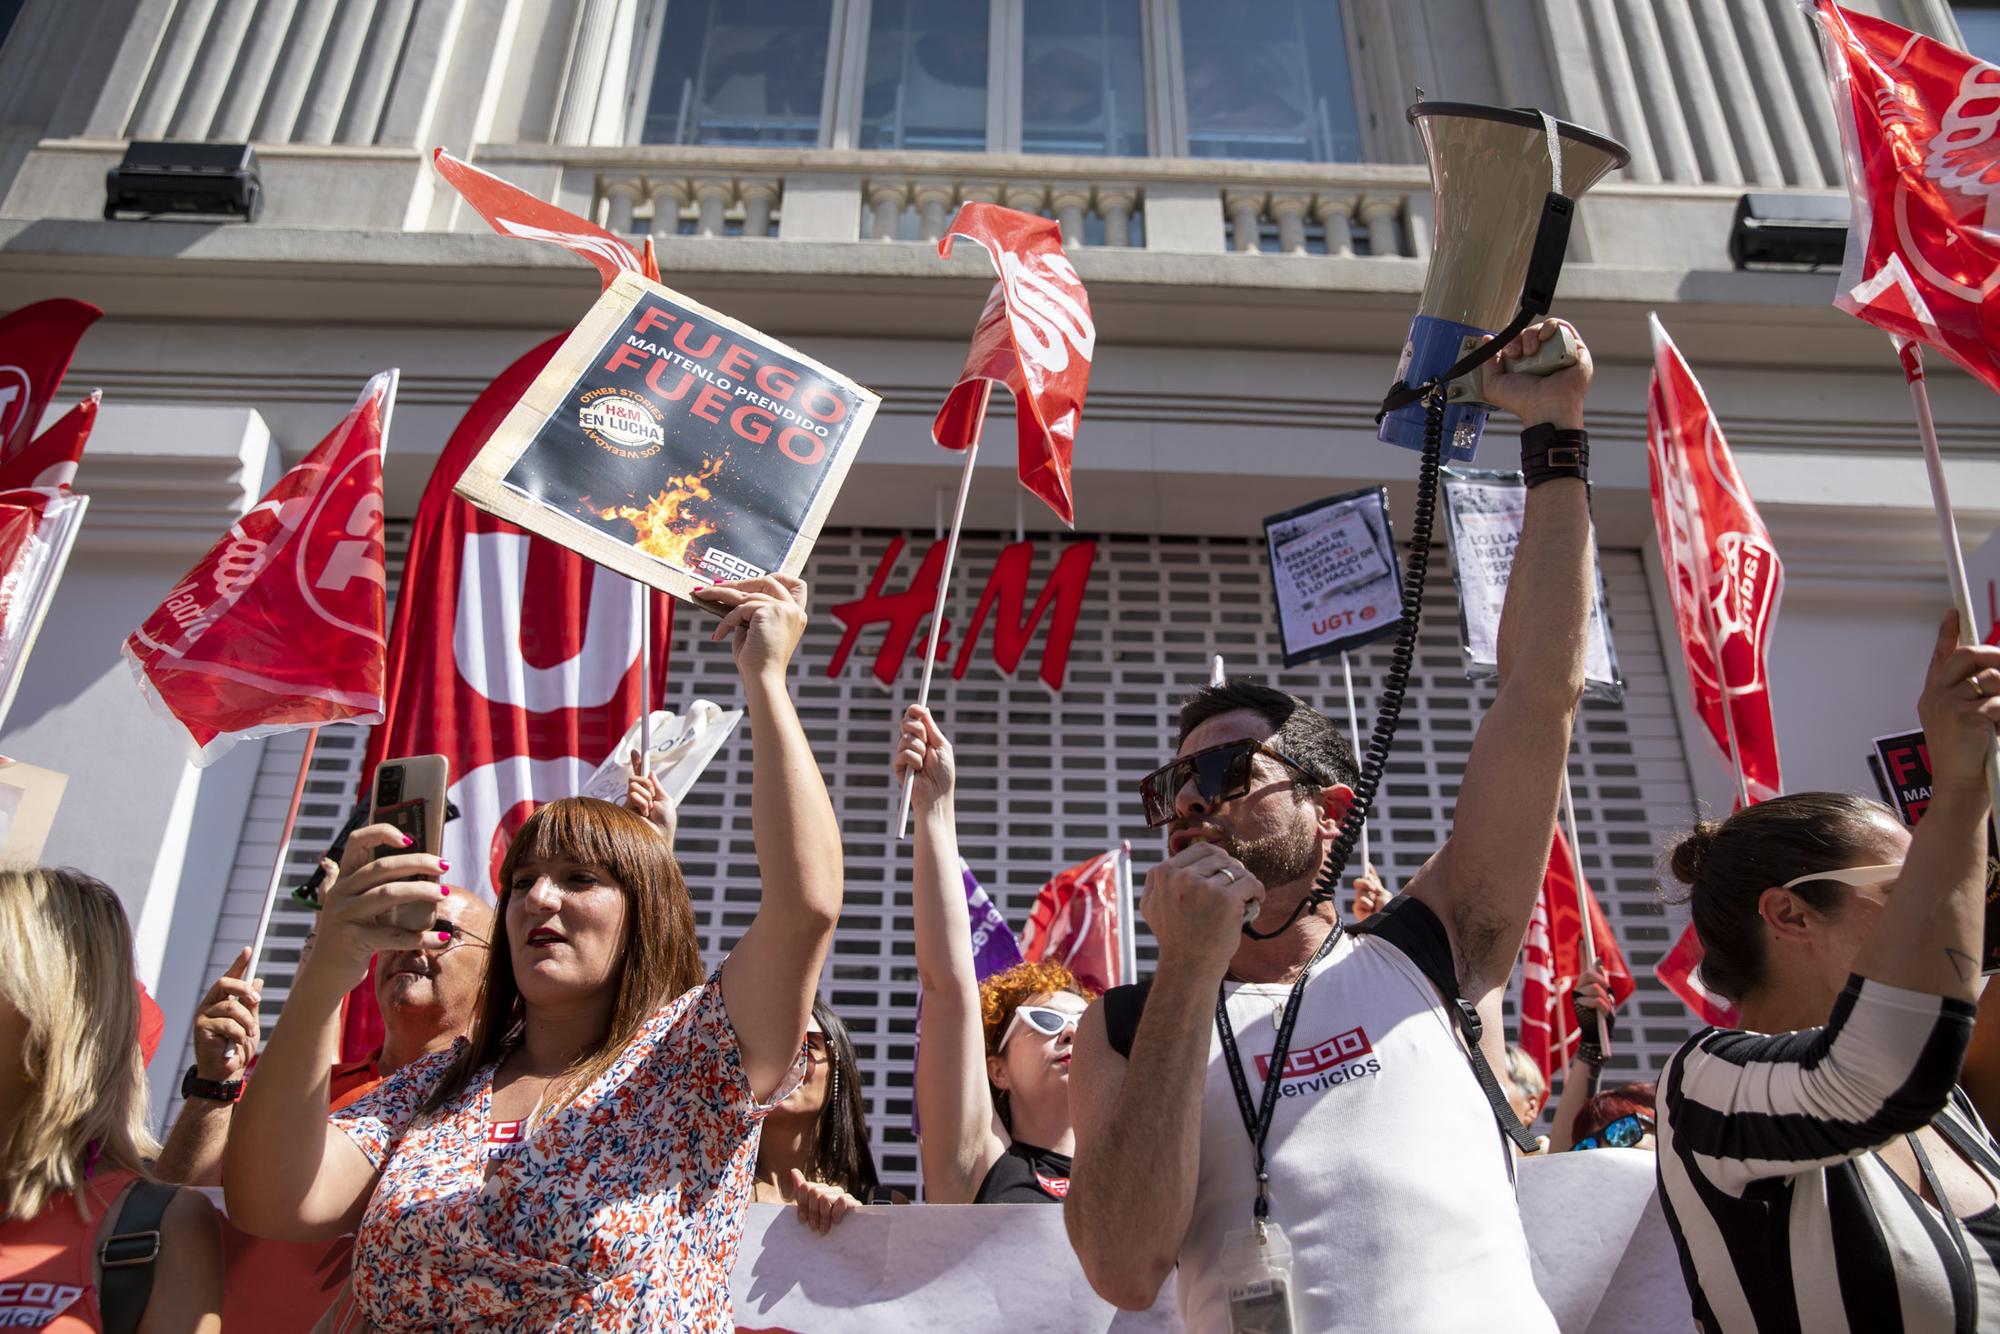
pixel 1257 1119
pixel 1952 1225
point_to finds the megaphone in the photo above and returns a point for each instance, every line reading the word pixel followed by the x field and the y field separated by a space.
pixel 1506 182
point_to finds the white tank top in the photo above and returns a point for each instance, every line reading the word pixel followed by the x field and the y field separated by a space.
pixel 1389 1176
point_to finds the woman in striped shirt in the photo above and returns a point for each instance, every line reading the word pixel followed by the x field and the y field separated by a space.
pixel 1802 1174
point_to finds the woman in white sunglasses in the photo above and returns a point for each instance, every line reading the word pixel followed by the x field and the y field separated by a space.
pixel 993 1075
pixel 1832 1175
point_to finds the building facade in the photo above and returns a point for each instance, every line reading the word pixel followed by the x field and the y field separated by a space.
pixel 1244 198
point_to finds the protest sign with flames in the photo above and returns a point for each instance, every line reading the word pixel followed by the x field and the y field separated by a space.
pixel 674 444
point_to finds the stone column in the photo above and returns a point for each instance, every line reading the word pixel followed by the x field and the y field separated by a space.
pixel 933 200
pixel 670 196
pixel 303 38
pixel 167 78
pixel 886 200
pixel 589 50
pixel 1245 209
pixel 1382 214
pixel 620 194
pixel 1070 203
pixel 711 200
pixel 1336 214
pixel 216 66
pixel 236 116
pixel 1114 205
pixel 333 72
pixel 1289 211
pixel 758 198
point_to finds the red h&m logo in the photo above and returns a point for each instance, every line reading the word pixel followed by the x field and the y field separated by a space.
pixel 1005 599
pixel 1301 1063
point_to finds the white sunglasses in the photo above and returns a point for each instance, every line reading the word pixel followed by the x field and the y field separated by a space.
pixel 1861 877
pixel 1044 1019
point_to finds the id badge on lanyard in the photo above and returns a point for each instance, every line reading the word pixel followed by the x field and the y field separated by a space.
pixel 1257 1273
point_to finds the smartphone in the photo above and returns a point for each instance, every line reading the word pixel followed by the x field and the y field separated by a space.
pixel 409 795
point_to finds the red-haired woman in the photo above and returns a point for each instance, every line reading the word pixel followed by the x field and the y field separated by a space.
pixel 993 1077
pixel 584 1159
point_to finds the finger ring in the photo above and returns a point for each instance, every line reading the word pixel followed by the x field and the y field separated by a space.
pixel 1973 681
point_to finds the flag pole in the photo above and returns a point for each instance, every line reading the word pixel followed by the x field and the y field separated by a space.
pixel 944 587
pixel 645 677
pixel 1217 676
pixel 284 848
pixel 1912 356
pixel 1354 731
pixel 1128 925
pixel 1585 945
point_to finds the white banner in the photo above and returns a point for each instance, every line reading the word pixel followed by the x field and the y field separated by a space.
pixel 1483 513
pixel 1602 1256
pixel 682 746
pixel 1333 573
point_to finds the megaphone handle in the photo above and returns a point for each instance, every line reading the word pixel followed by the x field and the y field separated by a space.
pixel 1555 354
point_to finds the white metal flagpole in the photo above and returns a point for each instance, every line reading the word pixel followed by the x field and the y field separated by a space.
pixel 645 677
pixel 1217 676
pixel 1128 921
pixel 1354 734
pixel 944 588
pixel 284 848
pixel 1587 946
pixel 1954 553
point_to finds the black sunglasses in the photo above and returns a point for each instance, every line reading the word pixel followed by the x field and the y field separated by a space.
pixel 1219 773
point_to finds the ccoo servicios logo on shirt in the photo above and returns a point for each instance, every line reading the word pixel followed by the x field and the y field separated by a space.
pixel 1340 1059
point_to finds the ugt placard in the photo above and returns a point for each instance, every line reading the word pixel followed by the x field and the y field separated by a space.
pixel 1334 574
pixel 674 444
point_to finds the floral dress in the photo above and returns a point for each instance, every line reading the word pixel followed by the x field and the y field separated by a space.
pixel 624 1210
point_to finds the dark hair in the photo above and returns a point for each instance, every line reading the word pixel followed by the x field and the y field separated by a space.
pixel 660 959
pixel 1608 1106
pixel 841 1156
pixel 1301 731
pixel 1728 865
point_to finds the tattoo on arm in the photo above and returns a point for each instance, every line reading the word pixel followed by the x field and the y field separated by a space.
pixel 1967 966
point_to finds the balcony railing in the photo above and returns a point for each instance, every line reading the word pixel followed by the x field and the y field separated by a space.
pixel 1285 209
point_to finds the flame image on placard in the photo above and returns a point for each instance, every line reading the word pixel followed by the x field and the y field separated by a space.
pixel 663 526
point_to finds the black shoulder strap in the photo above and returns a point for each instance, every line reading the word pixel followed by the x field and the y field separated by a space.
pixel 1122 1008
pixel 127 1256
pixel 1413 928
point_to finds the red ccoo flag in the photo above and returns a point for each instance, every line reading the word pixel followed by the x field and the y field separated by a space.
pixel 1722 571
pixel 1075 922
pixel 512 211
pixel 280 625
pixel 39 517
pixel 1679 969
pixel 1035 336
pixel 1552 961
pixel 1920 122
pixel 514 658
pixel 36 344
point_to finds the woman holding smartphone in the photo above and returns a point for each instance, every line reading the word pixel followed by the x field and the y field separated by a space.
pixel 584 1158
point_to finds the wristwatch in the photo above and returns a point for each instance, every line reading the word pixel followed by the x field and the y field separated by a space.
pixel 215 1090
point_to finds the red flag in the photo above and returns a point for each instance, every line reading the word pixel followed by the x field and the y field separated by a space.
pixel 515 212
pixel 516 659
pixel 1075 922
pixel 36 344
pixel 1918 120
pixel 1036 337
pixel 1552 961
pixel 280 625
pixel 1679 969
pixel 1723 573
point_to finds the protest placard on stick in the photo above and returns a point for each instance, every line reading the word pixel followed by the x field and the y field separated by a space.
pixel 1902 765
pixel 1334 574
pixel 1484 511
pixel 674 444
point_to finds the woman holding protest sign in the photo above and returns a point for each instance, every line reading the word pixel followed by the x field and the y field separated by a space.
pixel 585 1157
pixel 1842 1143
pixel 993 1071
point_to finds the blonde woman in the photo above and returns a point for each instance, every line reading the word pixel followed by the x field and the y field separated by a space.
pixel 73 1140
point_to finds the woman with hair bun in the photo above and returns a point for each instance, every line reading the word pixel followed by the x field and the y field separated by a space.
pixel 1819 1168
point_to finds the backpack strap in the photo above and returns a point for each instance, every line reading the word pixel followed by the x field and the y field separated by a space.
pixel 1413 928
pixel 1122 1008
pixel 129 1254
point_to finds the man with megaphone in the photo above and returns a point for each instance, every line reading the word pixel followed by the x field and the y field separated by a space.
pixel 1366 1186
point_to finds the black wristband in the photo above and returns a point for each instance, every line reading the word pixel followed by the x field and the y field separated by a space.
pixel 1548 453
pixel 215 1090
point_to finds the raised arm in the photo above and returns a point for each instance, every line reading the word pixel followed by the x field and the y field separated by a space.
pixel 225 1040
pixel 1741 1106
pixel 287 1173
pixel 1482 884
pixel 960 1140
pixel 1592 997
pixel 770 977
pixel 1138 1121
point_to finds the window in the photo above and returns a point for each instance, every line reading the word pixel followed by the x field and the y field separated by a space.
pixel 1083 78
pixel 739 72
pixel 926 80
pixel 1979 23
pixel 1268 79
